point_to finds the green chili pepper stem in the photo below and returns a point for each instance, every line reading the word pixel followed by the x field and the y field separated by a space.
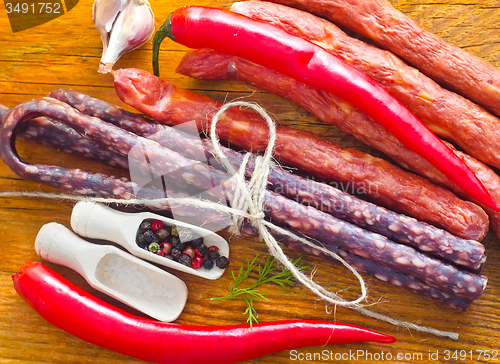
pixel 163 32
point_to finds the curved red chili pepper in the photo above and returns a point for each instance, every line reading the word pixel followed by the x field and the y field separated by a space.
pixel 274 48
pixel 81 314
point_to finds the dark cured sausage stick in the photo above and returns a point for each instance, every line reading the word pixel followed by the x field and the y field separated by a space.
pixel 58 136
pixel 306 220
pixel 448 114
pixel 361 264
pixel 208 64
pixel 400 228
pixel 385 184
pixel 379 21
pixel 368 266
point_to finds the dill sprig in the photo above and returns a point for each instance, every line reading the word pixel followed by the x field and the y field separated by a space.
pixel 266 274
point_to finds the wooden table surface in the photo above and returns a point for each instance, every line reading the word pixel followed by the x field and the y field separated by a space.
pixel 65 53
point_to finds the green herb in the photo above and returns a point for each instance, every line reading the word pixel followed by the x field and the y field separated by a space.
pixel 266 274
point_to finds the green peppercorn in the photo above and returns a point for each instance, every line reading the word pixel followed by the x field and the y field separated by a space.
pixel 153 247
pixel 174 231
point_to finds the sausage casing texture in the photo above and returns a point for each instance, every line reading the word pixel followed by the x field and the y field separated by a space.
pixel 304 219
pixel 54 134
pixel 467 253
pixel 370 267
pixel 380 22
pixel 208 64
pixel 448 114
pixel 382 182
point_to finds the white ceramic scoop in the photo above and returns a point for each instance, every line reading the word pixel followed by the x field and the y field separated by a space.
pixel 98 221
pixel 110 270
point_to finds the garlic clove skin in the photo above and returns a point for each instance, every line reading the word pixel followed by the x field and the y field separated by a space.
pixel 104 13
pixel 131 23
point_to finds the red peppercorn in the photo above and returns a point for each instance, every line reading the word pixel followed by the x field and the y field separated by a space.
pixel 189 251
pixel 156 225
pixel 196 262
pixel 165 247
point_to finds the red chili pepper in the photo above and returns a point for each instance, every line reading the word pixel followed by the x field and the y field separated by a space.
pixel 81 314
pixel 274 48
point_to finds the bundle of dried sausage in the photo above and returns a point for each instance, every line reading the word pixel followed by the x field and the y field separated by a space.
pixel 383 183
pixel 379 21
pixel 311 221
pixel 400 228
pixel 448 114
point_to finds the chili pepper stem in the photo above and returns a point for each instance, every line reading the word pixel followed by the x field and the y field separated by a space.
pixel 163 32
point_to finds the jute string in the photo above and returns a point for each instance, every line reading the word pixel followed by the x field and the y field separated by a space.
pixel 248 203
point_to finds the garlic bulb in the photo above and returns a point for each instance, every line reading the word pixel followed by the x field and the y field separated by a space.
pixel 124 25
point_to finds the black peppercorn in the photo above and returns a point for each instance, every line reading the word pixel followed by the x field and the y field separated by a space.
pixel 202 250
pixel 208 264
pixel 145 225
pixel 163 233
pixel 148 236
pixel 185 259
pixel 176 242
pixel 175 253
pixel 195 243
pixel 222 262
pixel 168 256
pixel 213 254
pixel 140 241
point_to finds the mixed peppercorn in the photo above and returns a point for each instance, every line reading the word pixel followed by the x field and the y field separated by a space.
pixel 180 244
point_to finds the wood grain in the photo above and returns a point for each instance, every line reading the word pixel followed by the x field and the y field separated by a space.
pixel 66 52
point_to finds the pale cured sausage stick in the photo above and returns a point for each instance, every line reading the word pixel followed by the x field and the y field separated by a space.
pixel 384 183
pixel 448 114
pixel 306 220
pixel 380 22
pixel 208 64
pixel 400 228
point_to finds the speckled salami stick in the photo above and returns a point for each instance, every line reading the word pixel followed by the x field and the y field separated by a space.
pixel 381 22
pixel 448 114
pixel 370 267
pixel 58 136
pixel 467 253
pixel 307 220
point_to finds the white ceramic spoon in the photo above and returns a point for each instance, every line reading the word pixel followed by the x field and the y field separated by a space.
pixel 98 221
pixel 113 271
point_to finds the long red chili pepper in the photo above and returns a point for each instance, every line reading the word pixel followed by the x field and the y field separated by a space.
pixel 269 46
pixel 81 314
